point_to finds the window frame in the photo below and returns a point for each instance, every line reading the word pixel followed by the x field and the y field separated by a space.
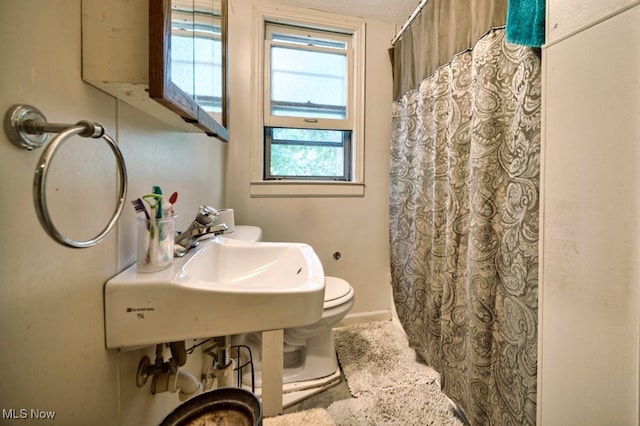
pixel 271 120
pixel 306 18
pixel 347 147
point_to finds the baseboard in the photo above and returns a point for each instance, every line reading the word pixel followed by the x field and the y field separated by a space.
pixel 363 317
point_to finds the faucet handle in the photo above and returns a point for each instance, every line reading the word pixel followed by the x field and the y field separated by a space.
pixel 206 215
pixel 208 210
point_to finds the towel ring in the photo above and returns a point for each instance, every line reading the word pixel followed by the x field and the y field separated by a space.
pixel 27 127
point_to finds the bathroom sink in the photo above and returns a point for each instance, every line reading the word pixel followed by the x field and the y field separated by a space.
pixel 222 287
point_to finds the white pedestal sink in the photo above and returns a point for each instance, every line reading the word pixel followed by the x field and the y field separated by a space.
pixel 222 287
pixel 225 286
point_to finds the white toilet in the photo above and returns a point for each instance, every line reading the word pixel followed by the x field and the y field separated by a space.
pixel 309 352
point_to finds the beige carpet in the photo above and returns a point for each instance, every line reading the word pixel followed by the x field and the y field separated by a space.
pixel 313 417
pixel 375 357
pixel 389 383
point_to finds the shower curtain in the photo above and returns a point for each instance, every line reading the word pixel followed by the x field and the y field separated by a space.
pixel 464 207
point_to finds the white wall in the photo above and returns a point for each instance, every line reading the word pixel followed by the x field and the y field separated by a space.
pixel 53 354
pixel 565 17
pixel 51 302
pixel 355 227
pixel 589 369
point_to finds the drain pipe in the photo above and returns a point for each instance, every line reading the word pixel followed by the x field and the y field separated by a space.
pixel 179 381
pixel 167 376
pixel 223 369
pixel 178 353
pixel 187 384
pixel 224 350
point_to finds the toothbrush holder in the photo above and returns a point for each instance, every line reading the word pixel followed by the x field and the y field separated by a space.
pixel 155 243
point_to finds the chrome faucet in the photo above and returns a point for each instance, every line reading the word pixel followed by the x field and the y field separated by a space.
pixel 201 226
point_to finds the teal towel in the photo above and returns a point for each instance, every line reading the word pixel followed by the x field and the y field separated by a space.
pixel 525 22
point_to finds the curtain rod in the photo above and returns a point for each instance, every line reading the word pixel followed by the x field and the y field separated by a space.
pixel 409 21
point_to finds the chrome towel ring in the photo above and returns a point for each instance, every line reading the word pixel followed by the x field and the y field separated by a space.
pixel 26 127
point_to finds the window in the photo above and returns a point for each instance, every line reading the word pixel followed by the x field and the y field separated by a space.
pixel 307 125
pixel 307 154
pixel 311 114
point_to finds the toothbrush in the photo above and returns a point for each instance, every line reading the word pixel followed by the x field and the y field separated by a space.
pixel 140 208
pixel 158 191
pixel 153 200
pixel 173 199
pixel 153 251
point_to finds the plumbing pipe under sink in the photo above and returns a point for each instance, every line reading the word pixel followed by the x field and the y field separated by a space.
pixel 167 376
pixel 181 381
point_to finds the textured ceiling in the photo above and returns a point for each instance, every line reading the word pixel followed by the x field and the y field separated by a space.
pixel 395 11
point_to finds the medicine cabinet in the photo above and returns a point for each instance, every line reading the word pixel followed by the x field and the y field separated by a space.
pixel 164 57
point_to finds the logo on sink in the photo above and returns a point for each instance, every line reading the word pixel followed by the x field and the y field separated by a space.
pixel 140 311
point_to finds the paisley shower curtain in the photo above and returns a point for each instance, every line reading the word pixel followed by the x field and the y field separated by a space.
pixel 464 220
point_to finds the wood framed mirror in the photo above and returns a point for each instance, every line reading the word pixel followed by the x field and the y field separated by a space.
pixel 188 61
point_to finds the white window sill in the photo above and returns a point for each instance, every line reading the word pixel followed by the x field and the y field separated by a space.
pixel 306 189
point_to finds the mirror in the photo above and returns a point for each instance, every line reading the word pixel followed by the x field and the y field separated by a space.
pixel 188 61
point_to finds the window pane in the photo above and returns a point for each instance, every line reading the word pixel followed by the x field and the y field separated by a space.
pixel 307 83
pixel 308 136
pixel 307 153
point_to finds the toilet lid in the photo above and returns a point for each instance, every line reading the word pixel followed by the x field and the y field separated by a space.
pixel 335 288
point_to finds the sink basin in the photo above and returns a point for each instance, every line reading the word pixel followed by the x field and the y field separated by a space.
pixel 222 287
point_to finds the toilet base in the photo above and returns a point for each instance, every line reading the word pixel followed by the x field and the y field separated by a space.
pixel 292 393
pixel 313 361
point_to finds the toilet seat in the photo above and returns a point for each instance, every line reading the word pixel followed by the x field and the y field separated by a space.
pixel 336 292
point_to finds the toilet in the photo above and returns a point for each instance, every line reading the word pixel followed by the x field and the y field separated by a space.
pixel 309 353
